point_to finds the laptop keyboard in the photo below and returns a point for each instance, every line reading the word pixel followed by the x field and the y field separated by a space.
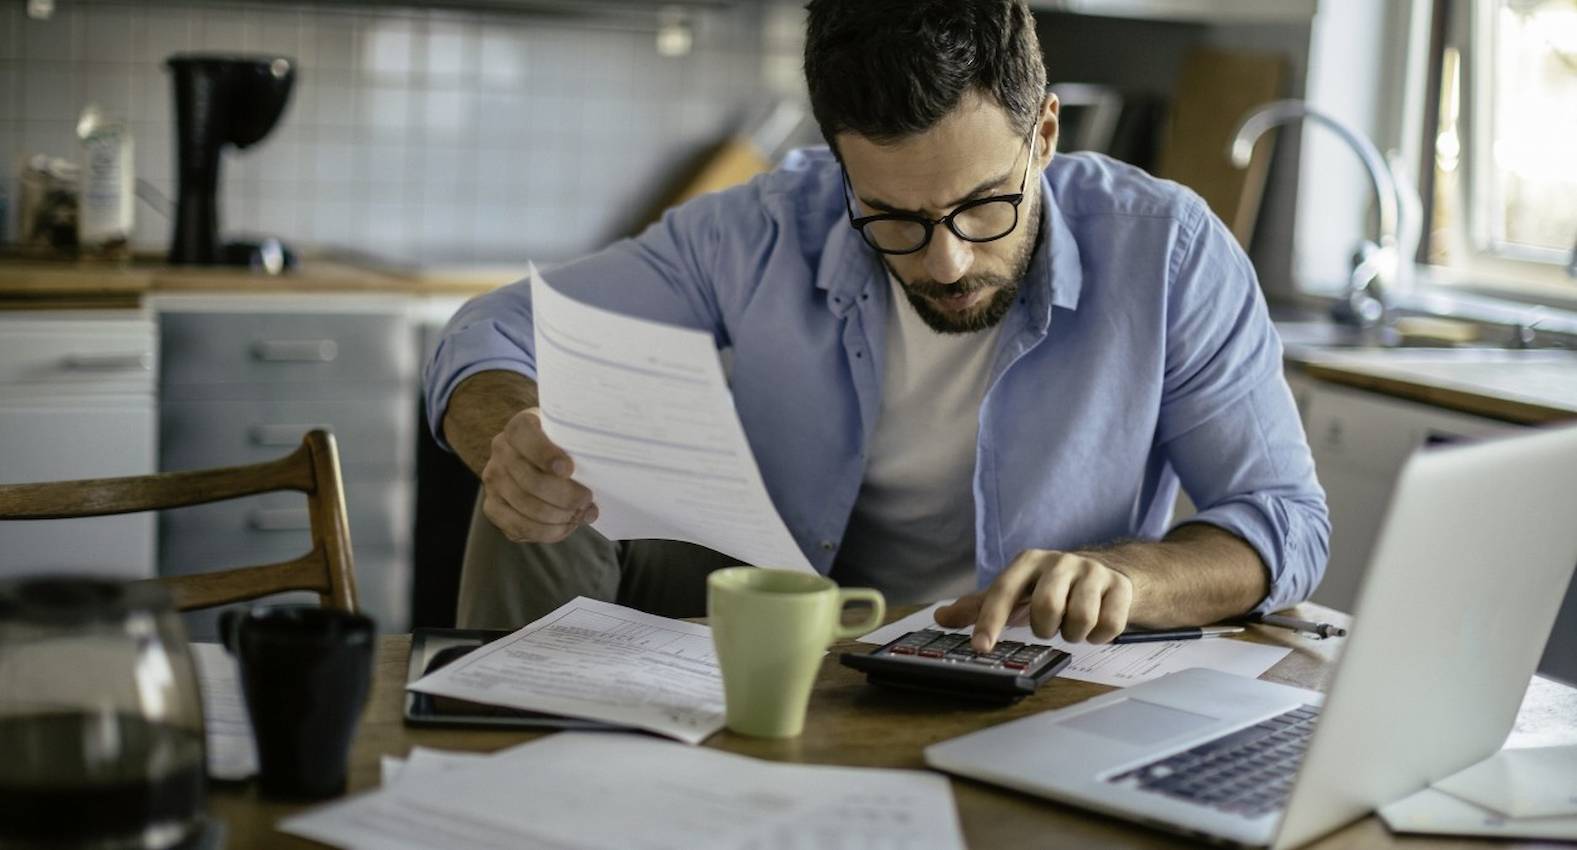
pixel 1248 772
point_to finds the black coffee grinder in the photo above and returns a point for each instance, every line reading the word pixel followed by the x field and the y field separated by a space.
pixel 222 100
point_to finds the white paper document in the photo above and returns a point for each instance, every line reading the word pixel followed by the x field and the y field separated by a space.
pixel 601 661
pixel 645 411
pixel 1538 782
pixel 424 763
pixel 578 790
pixel 232 753
pixel 1118 665
pixel 1434 812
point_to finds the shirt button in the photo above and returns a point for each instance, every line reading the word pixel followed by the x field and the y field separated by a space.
pixel 829 546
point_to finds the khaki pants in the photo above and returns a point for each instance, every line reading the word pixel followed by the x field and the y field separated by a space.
pixel 505 585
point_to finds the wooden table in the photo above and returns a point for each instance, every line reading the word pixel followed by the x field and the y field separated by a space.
pixel 853 724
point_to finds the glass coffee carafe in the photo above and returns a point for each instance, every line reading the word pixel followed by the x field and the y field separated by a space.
pixel 101 726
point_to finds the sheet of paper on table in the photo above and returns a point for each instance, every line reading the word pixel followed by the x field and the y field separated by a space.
pixel 232 753
pixel 608 789
pixel 1434 812
pixel 645 411
pixel 1516 793
pixel 598 660
pixel 1118 665
pixel 1537 782
pixel 424 763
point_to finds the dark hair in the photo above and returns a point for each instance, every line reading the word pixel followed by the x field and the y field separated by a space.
pixel 886 69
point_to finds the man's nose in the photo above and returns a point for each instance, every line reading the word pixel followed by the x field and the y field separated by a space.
pixel 947 258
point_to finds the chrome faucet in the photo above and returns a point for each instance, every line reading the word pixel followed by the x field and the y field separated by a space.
pixel 1379 265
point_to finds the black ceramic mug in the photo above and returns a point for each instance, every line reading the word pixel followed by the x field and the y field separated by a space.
pixel 305 672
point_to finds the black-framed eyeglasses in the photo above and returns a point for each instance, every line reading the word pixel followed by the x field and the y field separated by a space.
pixel 979 220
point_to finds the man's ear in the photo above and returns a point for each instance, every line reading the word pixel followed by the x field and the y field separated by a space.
pixel 1046 133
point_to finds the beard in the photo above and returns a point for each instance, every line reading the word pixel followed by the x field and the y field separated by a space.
pixel 923 295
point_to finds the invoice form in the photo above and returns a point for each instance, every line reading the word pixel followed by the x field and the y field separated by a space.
pixel 598 660
pixel 644 410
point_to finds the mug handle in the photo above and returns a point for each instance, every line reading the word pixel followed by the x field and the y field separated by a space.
pixel 855 594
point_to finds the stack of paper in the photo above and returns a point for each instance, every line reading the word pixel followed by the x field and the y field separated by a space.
pixel 601 661
pixel 608 789
pixel 1529 793
pixel 232 753
pixel 1118 665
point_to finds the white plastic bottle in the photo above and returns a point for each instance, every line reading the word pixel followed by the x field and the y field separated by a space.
pixel 108 201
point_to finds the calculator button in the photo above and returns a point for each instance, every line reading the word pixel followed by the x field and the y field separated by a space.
pixel 985 660
pixel 902 649
pixel 1013 664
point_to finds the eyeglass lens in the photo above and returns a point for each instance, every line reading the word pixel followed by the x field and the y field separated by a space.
pixel 981 222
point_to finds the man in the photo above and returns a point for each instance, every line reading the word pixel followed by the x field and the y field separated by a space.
pixel 966 364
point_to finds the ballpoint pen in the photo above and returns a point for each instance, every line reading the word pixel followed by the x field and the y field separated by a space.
pixel 1321 630
pixel 1191 633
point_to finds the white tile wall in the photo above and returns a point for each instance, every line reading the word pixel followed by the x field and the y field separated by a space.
pixel 440 136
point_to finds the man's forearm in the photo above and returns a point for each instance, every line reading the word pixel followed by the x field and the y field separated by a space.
pixel 1198 574
pixel 480 407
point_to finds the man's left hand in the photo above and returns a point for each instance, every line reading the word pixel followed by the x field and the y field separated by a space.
pixel 1078 594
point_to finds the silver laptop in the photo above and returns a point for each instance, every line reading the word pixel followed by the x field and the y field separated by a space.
pixel 1461 591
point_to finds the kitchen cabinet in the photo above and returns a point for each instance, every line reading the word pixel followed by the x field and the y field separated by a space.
pixel 245 378
pixel 77 400
pixel 1360 440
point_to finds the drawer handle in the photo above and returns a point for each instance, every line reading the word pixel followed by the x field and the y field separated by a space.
pixel 133 361
pixel 280 519
pixel 282 435
pixel 296 350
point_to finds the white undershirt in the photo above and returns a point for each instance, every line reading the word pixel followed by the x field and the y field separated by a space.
pixel 912 533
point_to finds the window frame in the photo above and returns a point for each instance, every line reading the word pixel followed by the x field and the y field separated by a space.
pixel 1481 260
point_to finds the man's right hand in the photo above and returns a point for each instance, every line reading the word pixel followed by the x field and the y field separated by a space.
pixel 528 492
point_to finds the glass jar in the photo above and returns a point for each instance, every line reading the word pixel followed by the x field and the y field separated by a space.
pixel 101 725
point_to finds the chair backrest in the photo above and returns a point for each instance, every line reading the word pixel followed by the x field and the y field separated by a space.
pixel 313 469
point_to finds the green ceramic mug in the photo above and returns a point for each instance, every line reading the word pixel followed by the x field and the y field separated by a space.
pixel 772 629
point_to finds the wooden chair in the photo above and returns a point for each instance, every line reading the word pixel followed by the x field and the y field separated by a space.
pixel 313 469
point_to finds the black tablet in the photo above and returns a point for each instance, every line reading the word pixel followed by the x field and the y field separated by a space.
pixel 432 649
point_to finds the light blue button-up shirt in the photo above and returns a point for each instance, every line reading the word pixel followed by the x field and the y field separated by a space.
pixel 1139 356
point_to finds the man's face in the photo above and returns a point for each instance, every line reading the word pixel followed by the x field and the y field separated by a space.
pixel 955 285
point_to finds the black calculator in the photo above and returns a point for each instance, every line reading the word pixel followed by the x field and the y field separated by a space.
pixel 944 662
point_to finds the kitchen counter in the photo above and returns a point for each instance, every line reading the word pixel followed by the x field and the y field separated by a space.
pixel 1523 387
pixel 35 283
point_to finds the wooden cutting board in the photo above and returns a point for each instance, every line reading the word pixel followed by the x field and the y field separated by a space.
pixel 1214 90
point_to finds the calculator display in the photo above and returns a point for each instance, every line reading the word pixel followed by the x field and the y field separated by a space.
pixel 944 661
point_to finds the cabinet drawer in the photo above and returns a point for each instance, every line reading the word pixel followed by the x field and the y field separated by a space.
pixel 375 437
pixel 282 348
pixel 75 356
pixel 275 527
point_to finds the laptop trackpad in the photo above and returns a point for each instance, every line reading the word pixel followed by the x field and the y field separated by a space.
pixel 1140 723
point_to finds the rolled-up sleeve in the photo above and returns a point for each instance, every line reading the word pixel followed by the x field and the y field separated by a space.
pixel 1228 422
pixel 662 274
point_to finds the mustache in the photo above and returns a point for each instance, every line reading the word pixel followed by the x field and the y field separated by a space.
pixel 963 286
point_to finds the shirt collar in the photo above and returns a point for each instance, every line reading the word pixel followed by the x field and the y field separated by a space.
pixel 849 268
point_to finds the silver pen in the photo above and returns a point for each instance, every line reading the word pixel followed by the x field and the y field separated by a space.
pixel 1322 630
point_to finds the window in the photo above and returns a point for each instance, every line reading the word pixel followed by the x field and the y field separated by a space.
pixel 1503 204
